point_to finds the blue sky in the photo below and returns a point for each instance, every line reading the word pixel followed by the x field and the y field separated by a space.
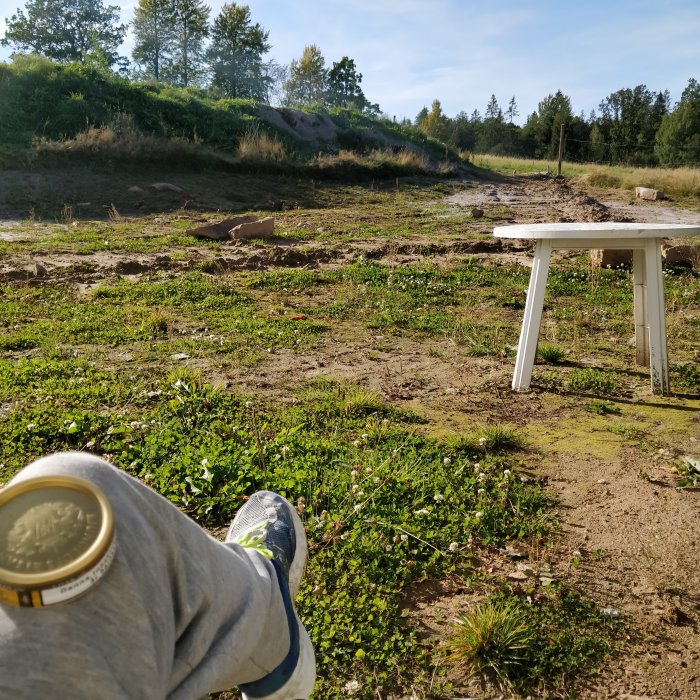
pixel 411 52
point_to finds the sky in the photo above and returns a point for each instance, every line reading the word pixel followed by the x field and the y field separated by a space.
pixel 411 52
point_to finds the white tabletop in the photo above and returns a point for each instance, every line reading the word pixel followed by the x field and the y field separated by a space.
pixel 603 230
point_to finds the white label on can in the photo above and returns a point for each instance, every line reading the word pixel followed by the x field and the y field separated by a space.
pixel 74 587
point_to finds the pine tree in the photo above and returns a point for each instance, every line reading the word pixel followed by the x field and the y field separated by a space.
pixel 512 111
pixel 493 111
pixel 235 55
pixel 154 31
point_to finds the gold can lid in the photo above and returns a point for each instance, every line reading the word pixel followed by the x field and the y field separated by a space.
pixel 53 529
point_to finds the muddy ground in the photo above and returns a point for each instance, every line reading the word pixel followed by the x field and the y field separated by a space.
pixel 628 538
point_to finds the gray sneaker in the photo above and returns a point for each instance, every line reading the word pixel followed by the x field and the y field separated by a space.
pixel 269 524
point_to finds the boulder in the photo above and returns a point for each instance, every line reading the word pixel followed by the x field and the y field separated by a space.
pixel 254 229
pixel 648 193
pixel 219 231
pixel 611 258
pixel 682 255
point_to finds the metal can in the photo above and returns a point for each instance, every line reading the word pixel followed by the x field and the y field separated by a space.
pixel 56 540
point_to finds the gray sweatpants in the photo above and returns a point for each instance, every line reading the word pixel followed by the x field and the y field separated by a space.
pixel 178 615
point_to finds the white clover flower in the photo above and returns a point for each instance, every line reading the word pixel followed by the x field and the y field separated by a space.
pixel 354 488
pixel 364 436
pixel 360 494
pixel 357 507
pixel 506 472
pixel 477 466
pixel 376 480
pixel 404 538
pixel 31 426
pixel 351 687
pixel 482 440
pixel 478 515
pixel 421 511
pixel 481 476
pixel 368 470
pixel 454 546
pixel 285 449
pixel 89 444
pixel 446 460
pixel 438 497
pixel 353 474
pixel 356 443
pixel 193 488
pixel 248 404
pixel 207 474
pixel 480 491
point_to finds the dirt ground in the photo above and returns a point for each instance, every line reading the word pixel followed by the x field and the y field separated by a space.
pixel 628 538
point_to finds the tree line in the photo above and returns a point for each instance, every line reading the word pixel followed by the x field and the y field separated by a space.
pixel 633 126
pixel 176 43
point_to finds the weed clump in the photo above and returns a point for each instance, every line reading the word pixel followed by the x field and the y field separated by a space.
pixel 542 643
pixel 490 641
pixel 550 353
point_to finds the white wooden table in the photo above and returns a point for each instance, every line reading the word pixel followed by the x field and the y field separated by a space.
pixel 649 312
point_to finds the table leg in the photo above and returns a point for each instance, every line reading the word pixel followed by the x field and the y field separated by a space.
pixel 641 322
pixel 527 345
pixel 656 313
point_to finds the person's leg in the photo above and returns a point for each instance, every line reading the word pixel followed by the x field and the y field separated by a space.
pixel 178 614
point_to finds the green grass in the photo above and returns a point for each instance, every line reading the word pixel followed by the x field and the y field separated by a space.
pixel 529 646
pixel 386 504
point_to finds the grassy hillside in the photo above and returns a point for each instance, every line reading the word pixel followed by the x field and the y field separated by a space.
pixel 51 112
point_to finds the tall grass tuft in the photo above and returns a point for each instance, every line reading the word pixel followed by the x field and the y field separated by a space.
pixel 257 147
pixel 489 641
pixel 120 140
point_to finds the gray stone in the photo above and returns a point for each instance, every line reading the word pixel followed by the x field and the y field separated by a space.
pixel 165 187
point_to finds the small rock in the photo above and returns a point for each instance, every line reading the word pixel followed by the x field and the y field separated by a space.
pixel 135 189
pixel 514 553
pixel 517 576
pixel 180 356
pixel 610 612
pixel 165 187
pixel 477 213
pixel 39 270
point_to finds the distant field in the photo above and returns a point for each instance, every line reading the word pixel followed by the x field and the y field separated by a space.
pixel 681 183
